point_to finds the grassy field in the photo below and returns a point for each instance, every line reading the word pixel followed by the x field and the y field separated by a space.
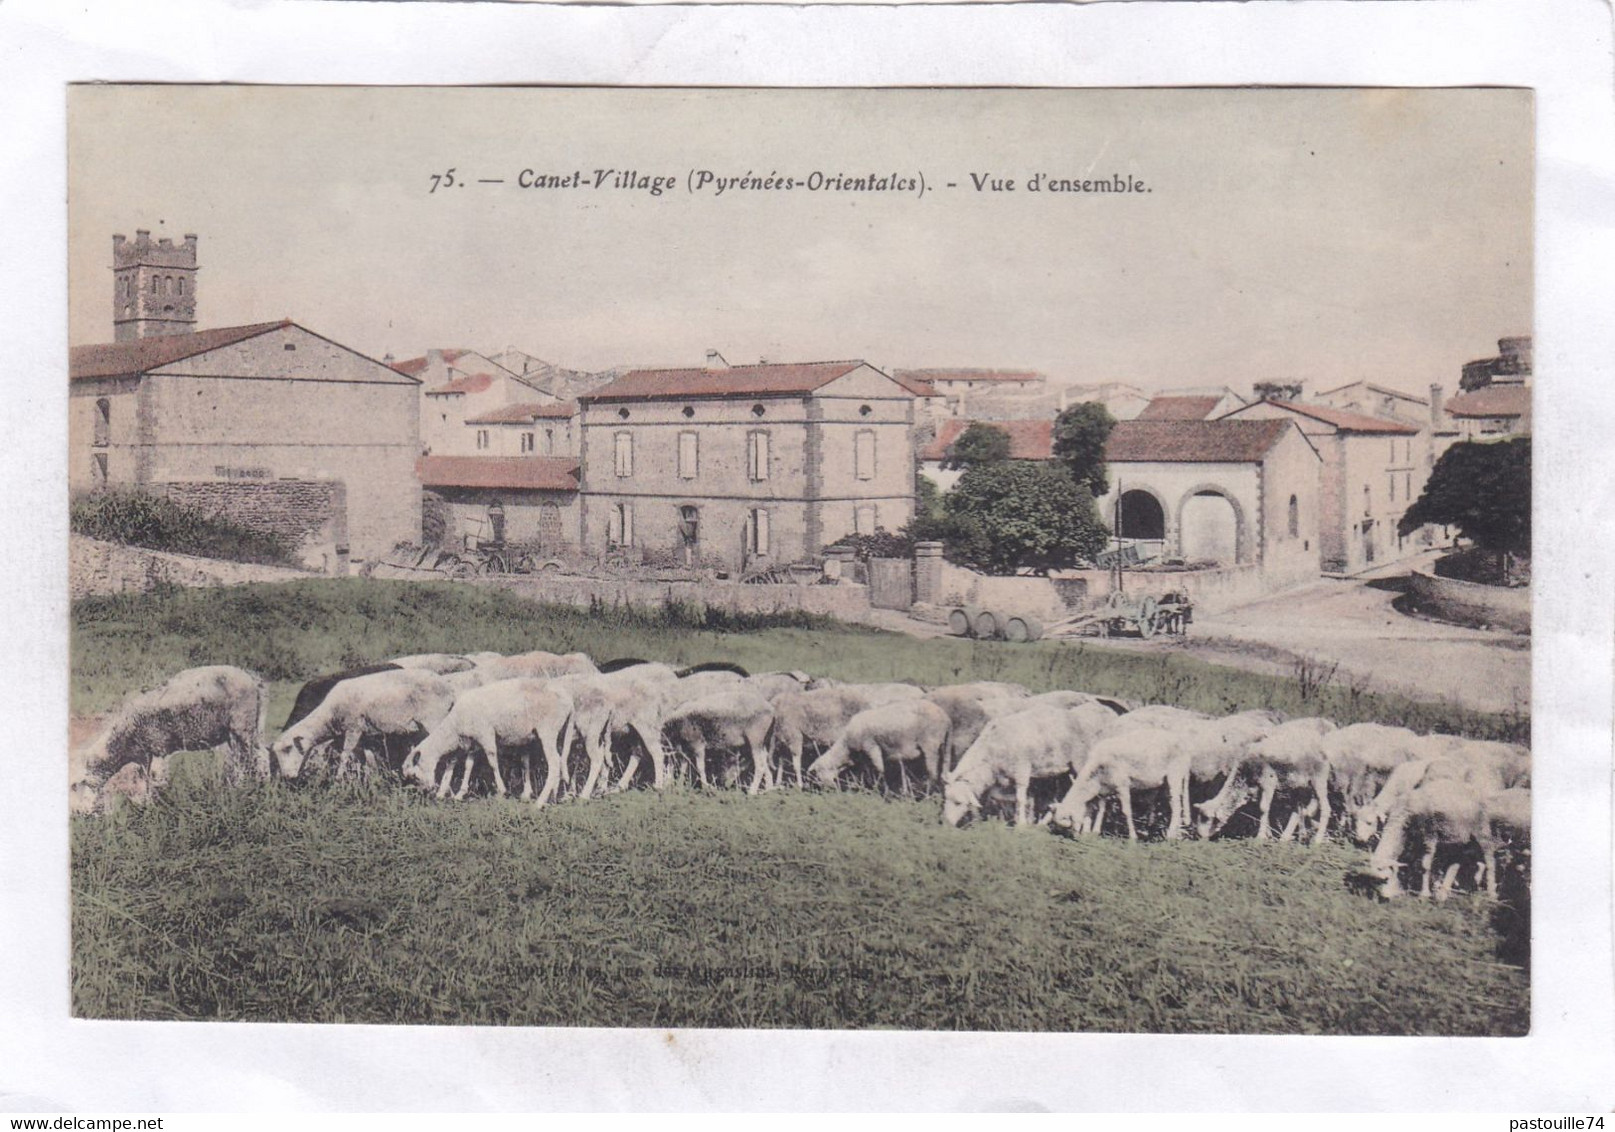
pixel 372 904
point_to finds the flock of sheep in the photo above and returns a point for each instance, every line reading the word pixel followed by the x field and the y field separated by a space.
pixel 575 729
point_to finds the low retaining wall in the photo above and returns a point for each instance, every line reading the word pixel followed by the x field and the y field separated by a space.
pixel 97 567
pixel 1211 591
pixel 1470 603
pixel 847 601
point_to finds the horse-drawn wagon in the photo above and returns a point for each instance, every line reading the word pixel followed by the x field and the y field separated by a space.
pixel 1120 614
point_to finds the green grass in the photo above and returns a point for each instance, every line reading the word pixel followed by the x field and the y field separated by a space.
pixel 789 909
pixel 342 903
pixel 290 631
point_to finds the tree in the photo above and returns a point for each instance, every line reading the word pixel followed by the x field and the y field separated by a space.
pixel 1021 514
pixel 1277 390
pixel 980 443
pixel 1482 489
pixel 1080 433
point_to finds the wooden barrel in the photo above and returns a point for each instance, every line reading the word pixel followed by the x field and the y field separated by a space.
pixel 987 624
pixel 960 621
pixel 1022 629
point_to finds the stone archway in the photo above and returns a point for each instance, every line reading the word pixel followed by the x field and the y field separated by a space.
pixel 1142 514
pixel 1211 526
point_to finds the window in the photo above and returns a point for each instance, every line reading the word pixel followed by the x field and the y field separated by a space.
pixel 863 521
pixel 687 455
pixel 864 456
pixel 1407 486
pixel 180 285
pixel 690 525
pixel 154 284
pixel 103 422
pixel 98 469
pixel 620 530
pixel 1368 500
pixel 625 454
pixel 549 442
pixel 482 438
pixel 1390 487
pixel 759 531
pixel 1295 517
pixel 527 442
pixel 757 456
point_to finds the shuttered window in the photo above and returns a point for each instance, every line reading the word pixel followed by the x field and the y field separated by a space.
pixel 620 530
pixel 687 455
pixel 865 455
pixel 757 456
pixel 625 454
pixel 759 531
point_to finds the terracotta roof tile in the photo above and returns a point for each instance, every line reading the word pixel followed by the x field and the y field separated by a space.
pixel 465 383
pixel 414 367
pixel 142 355
pixel 1028 440
pixel 1178 409
pixel 1492 401
pixel 1342 419
pixel 527 413
pixel 781 379
pixel 1193 442
pixel 532 473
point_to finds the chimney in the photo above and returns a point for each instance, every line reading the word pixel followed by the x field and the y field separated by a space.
pixel 1438 408
pixel 387 359
pixel 715 360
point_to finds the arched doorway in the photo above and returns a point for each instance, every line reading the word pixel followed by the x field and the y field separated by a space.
pixel 1141 516
pixel 1209 528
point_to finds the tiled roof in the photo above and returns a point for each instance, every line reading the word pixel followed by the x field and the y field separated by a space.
pixel 465 383
pixel 1193 442
pixel 1178 408
pixel 1028 440
pixel 1383 390
pixel 914 385
pixel 142 355
pixel 931 376
pixel 532 473
pixel 1492 401
pixel 527 413
pixel 414 367
pixel 763 380
pixel 1343 419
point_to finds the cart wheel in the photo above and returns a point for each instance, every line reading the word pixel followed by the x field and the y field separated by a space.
pixel 1146 618
pixel 494 564
pixel 460 569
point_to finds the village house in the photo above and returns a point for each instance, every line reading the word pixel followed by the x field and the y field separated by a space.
pixel 527 501
pixel 1373 468
pixel 456 385
pixel 1375 400
pixel 535 428
pixel 732 465
pixel 1230 493
pixel 268 424
pixel 1492 412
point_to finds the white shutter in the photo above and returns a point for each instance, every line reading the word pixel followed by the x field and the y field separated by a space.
pixel 757 456
pixel 627 524
pixel 865 455
pixel 625 454
pixel 760 525
pixel 687 455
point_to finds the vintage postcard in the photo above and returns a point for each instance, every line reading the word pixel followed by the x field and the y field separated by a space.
pixel 970 559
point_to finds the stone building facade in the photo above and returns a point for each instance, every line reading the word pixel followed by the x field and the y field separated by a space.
pixel 535 499
pixel 731 466
pixel 1372 470
pixel 249 405
pixel 153 286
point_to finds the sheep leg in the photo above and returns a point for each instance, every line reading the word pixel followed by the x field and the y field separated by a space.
pixel 350 742
pixel 554 764
pixel 528 770
pixel 1270 787
pixel 698 752
pixel 1320 790
pixel 466 764
pixel 1124 795
pixel 1023 802
pixel 1429 863
pixel 1448 878
pixel 1290 826
pixel 598 750
pixel 1174 828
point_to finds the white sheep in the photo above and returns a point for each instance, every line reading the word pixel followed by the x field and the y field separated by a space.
pixel 524 713
pixel 736 720
pixel 404 703
pixel 911 730
pixel 1015 749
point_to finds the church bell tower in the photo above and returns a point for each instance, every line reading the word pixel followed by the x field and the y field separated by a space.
pixel 153 286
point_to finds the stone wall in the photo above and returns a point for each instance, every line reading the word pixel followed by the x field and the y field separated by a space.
pixel 1470 603
pixel 97 567
pixel 846 602
pixel 310 514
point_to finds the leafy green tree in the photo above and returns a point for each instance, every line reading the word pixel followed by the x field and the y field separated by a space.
pixel 980 443
pixel 1021 514
pixel 1277 390
pixel 1080 434
pixel 1485 491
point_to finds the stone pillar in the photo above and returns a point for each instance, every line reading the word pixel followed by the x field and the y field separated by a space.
pixel 928 572
pixel 838 561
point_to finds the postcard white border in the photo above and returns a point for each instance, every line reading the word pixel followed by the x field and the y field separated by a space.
pixel 1559 47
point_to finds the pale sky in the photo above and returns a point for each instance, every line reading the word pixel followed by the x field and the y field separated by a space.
pixel 1327 235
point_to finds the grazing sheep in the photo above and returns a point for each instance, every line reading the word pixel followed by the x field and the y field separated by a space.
pixel 771 685
pixel 736 720
pixel 819 716
pixel 625 705
pixel 1443 810
pixel 194 710
pixel 314 691
pixel 405 703
pixel 705 683
pixel 539 665
pixel 1289 756
pixel 1363 755
pixel 524 713
pixel 442 663
pixel 911 730
pixel 1489 768
pixel 1041 742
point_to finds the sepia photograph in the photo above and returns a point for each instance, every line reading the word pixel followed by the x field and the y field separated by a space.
pixel 970 559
